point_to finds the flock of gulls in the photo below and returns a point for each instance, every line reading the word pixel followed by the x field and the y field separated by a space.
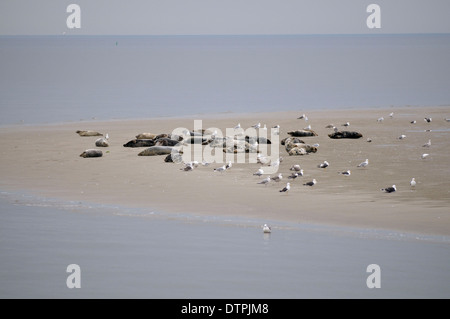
pixel 296 170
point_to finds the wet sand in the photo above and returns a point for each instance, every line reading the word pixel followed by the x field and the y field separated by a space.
pixel 44 160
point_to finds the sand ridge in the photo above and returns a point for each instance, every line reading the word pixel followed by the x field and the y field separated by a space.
pixel 45 159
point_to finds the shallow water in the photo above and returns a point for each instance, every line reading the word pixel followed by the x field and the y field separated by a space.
pixel 127 253
pixel 60 79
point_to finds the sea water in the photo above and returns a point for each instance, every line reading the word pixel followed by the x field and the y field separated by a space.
pixel 47 79
pixel 138 253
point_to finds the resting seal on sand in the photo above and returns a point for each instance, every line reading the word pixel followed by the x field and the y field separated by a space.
pixel 195 140
pixel 92 153
pixel 165 141
pixel 140 143
pixel 345 134
pixel 156 150
pixel 146 136
pixel 174 158
pixel 101 142
pixel 89 133
pixel 260 140
pixel 305 148
pixel 288 140
pixel 300 133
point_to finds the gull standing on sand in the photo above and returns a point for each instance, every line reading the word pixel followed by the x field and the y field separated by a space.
pixel 265 181
pixel 381 119
pixel 303 116
pixel 424 156
pixel 346 124
pixel 413 182
pixel 277 178
pixel 389 189
pixel 259 172
pixel 325 164
pixel 267 229
pixel 413 122
pixel 312 183
pixel 364 164
pixel 257 126
pixel 427 144
pixel 229 165
pixel 427 119
pixel 261 159
pixel 293 176
pixel 401 137
pixel 286 188
pixel 308 128
pixel 345 173
pixel 391 115
pixel 220 169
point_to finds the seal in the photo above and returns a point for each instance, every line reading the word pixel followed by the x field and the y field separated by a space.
pixel 140 143
pixel 89 133
pixel 146 136
pixel 302 133
pixel 165 141
pixel 101 142
pixel 156 150
pixel 91 153
pixel 259 139
pixel 345 134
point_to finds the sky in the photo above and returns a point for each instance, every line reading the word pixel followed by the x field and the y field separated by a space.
pixel 222 17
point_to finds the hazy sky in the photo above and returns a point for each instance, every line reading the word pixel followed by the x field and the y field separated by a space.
pixel 193 17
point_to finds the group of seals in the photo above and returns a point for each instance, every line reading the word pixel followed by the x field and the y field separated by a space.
pixel 101 142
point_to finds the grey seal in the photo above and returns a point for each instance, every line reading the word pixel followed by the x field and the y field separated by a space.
pixel 156 150
pixel 89 133
pixel 91 153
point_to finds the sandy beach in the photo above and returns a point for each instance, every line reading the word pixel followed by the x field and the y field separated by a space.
pixel 44 160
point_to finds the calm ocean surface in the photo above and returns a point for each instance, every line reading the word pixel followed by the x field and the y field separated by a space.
pixel 59 79
pixel 129 253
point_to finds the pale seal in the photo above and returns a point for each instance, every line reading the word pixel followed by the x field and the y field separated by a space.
pixel 89 133
pixel 156 150
pixel 101 142
pixel 91 153
pixel 146 136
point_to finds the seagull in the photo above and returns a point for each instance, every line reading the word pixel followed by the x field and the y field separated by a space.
pixel 107 136
pixel 286 188
pixel 300 173
pixel 381 119
pixel 295 167
pixel 261 159
pixel 277 178
pixel 413 182
pixel 220 169
pixel 391 115
pixel 259 172
pixel 325 164
pixel 364 164
pixel 276 126
pixel 229 165
pixel 369 140
pixel 256 126
pixel 413 122
pixel 316 145
pixel 237 126
pixel 267 229
pixel 346 124
pixel 425 155
pixel 293 176
pixel 427 144
pixel 427 119
pixel 188 167
pixel 265 127
pixel 401 137
pixel 345 173
pixel 204 163
pixel 265 181
pixel 448 120
pixel 303 116
pixel 312 183
pixel 276 163
pixel 308 128
pixel 389 189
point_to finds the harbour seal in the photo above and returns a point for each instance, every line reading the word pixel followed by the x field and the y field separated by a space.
pixel 345 134
pixel 91 153
pixel 156 150
pixel 260 140
pixel 165 141
pixel 301 133
pixel 140 143
pixel 88 133
pixel 146 136
pixel 101 142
